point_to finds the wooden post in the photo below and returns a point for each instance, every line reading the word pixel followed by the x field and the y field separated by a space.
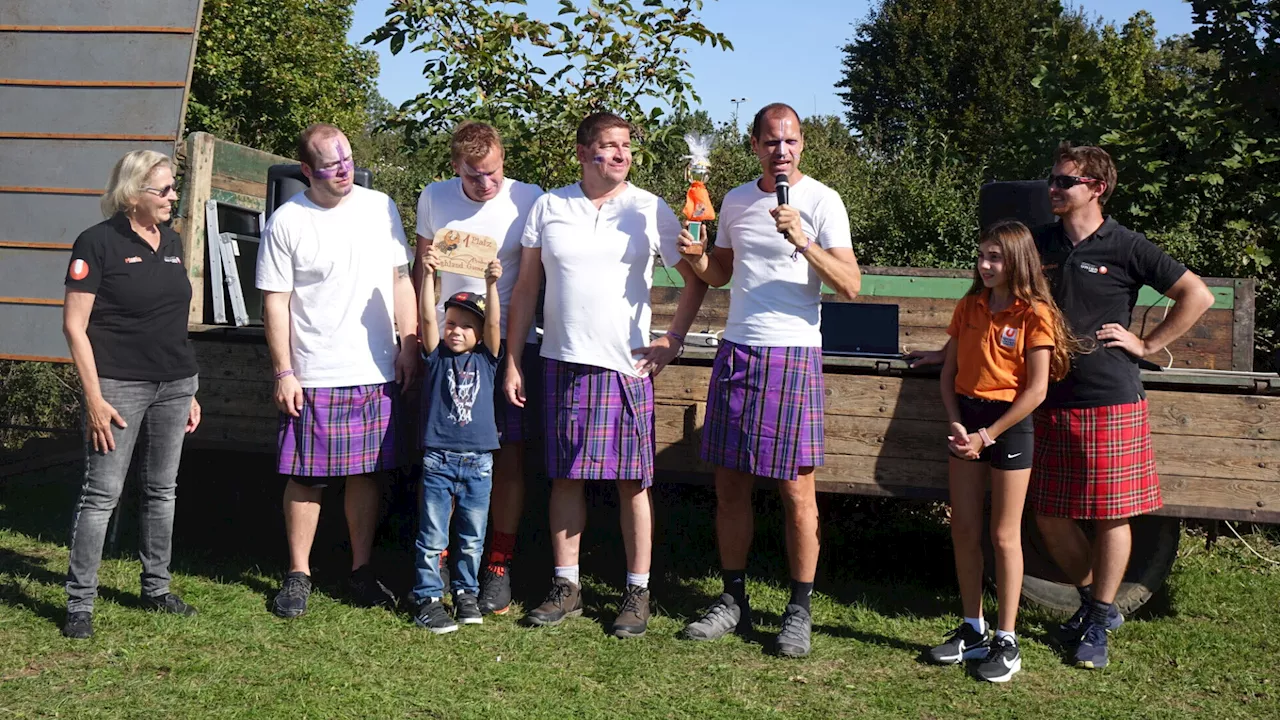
pixel 1242 325
pixel 195 193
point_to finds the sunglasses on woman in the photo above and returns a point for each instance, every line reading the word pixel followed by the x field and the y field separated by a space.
pixel 1066 182
pixel 160 192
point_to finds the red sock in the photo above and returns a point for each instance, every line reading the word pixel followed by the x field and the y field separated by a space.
pixel 444 558
pixel 502 547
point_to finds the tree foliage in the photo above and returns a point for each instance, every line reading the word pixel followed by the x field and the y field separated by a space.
pixel 535 79
pixel 266 70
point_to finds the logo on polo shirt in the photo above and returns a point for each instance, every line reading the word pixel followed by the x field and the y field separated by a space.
pixel 1009 337
pixel 79 269
pixel 173 259
pixel 1090 267
pixel 134 259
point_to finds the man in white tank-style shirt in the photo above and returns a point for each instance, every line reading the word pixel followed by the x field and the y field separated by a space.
pixel 596 241
pixel 482 200
pixel 333 266
pixel 765 402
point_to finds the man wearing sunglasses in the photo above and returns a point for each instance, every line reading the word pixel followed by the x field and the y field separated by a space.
pixel 1093 456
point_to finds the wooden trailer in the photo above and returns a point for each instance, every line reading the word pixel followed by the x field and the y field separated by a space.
pixel 1216 425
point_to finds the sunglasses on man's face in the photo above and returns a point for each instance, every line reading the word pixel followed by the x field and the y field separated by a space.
pixel 1066 182
pixel 160 192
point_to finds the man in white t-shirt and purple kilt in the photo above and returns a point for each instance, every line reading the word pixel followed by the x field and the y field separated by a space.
pixel 595 241
pixel 482 200
pixel 765 401
pixel 333 266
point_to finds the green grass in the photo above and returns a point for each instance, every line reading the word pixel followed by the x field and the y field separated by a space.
pixel 1206 646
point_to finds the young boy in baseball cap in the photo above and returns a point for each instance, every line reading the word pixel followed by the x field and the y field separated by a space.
pixel 459 436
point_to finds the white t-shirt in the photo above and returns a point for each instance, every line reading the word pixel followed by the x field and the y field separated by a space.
pixel 775 301
pixel 599 270
pixel 445 205
pixel 339 264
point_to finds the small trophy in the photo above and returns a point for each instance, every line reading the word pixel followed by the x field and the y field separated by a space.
pixel 697 203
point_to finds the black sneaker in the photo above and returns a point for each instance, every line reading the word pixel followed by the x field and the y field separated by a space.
pixel 963 643
pixel 725 615
pixel 793 640
pixel 1091 653
pixel 168 603
pixel 291 601
pixel 1073 629
pixel 467 609
pixel 1002 662
pixel 79 626
pixel 367 590
pixel 433 616
pixel 495 589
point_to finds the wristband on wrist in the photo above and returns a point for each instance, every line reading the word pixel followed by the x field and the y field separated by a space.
pixel 284 374
pixel 676 335
pixel 800 250
pixel 986 439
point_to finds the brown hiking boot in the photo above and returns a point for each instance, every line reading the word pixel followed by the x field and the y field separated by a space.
pixel 564 600
pixel 633 613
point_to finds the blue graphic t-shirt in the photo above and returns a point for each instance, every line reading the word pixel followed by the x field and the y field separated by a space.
pixel 457 400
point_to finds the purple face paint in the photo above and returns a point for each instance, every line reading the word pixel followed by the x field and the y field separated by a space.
pixel 342 167
pixel 599 159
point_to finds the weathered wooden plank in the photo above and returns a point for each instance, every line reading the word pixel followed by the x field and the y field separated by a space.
pixel 248 188
pixel 244 163
pixel 1210 415
pixel 1242 325
pixel 195 193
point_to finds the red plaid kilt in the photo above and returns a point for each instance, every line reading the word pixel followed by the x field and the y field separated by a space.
pixel 1094 463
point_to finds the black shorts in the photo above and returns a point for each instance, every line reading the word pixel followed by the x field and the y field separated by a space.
pixel 1013 449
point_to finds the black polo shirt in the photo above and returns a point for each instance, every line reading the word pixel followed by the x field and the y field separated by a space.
pixel 138 327
pixel 1095 283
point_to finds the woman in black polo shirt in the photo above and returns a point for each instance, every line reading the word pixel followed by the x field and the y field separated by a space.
pixel 125 318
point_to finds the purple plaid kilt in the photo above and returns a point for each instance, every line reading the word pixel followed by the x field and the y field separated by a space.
pixel 764 410
pixel 598 423
pixel 342 431
pixel 514 423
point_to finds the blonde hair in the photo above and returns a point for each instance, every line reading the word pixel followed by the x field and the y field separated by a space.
pixel 128 177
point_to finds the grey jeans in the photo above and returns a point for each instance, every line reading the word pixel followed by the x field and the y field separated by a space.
pixel 156 415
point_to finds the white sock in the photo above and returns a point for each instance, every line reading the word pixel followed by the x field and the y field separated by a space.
pixel 638 579
pixel 1002 634
pixel 569 573
pixel 979 624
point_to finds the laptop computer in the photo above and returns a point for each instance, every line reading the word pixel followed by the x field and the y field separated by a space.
pixel 860 330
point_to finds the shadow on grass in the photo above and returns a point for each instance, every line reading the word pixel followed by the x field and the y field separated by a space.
pixel 892 557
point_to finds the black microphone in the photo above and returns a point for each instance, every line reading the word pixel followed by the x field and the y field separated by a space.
pixel 783 190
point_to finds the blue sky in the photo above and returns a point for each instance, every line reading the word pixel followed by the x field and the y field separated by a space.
pixel 784 50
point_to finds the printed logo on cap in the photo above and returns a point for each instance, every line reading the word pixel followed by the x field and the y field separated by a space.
pixel 79 269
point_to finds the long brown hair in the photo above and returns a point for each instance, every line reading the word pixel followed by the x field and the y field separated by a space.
pixel 1027 282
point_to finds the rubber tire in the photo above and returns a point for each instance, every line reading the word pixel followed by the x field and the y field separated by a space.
pixel 1155 547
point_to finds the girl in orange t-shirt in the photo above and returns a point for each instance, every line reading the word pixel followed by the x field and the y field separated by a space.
pixel 1007 341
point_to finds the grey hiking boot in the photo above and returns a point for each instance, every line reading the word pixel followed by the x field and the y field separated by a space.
pixel 793 639
pixel 723 617
pixel 633 613
pixel 564 601
pixel 291 601
pixel 79 626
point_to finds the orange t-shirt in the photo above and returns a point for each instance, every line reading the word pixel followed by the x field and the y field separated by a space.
pixel 991 349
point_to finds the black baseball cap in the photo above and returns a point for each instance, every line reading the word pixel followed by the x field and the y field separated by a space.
pixel 467 301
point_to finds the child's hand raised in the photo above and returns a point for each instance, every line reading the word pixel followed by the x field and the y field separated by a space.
pixel 431 258
pixel 493 271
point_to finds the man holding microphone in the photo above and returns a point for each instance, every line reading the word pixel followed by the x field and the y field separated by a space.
pixel 781 237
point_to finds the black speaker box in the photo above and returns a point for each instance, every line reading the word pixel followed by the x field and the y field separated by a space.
pixel 1026 201
pixel 286 180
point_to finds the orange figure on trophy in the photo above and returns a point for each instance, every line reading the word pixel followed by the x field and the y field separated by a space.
pixel 697 203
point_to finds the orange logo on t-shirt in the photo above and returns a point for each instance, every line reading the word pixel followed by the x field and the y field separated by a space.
pixel 79 269
pixel 1009 337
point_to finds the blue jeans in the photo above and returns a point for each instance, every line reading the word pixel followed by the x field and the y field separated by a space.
pixel 457 484
pixel 156 416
